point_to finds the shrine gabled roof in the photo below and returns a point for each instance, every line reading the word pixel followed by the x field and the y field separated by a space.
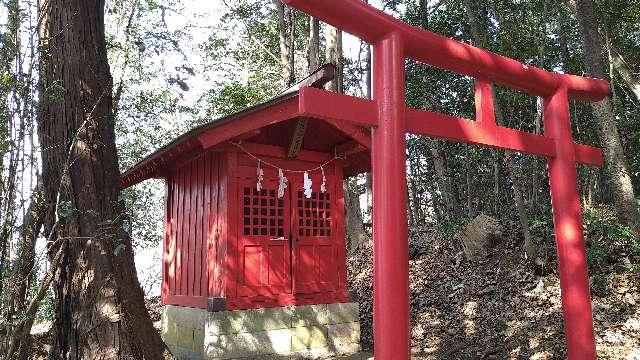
pixel 267 114
pixel 188 142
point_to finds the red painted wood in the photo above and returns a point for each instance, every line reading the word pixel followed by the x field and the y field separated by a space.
pixel 315 244
pixel 207 187
pixel 175 198
pixel 187 251
pixel 588 155
pixel 362 136
pixel 214 230
pixel 394 41
pixel 228 250
pixel 287 109
pixel 203 207
pixel 188 301
pixel 243 303
pixel 263 240
pixel 485 111
pixel 567 216
pixel 349 147
pixel 220 240
pixel 199 227
pixel 340 232
pixel 458 129
pixel 166 253
pixel 372 25
pixel 280 153
pixel 449 127
pixel 321 104
pixel 183 227
pixel 247 165
pixel 187 278
pixel 390 234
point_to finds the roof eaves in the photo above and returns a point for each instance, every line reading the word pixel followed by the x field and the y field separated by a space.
pixel 149 166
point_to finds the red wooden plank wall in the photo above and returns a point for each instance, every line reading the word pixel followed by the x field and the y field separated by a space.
pixel 191 227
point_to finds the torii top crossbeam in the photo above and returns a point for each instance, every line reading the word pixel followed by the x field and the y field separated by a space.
pixel 372 25
pixel 389 118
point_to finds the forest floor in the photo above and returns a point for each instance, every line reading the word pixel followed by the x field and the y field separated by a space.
pixel 495 308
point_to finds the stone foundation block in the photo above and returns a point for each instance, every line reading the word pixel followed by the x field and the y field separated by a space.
pixel 184 316
pixel 308 315
pixel 185 337
pixel 343 313
pixel 345 338
pixel 169 332
pixel 182 329
pixel 309 331
pixel 242 345
pixel 254 320
pixel 308 337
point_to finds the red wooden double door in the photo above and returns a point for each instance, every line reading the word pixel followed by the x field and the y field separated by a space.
pixel 288 245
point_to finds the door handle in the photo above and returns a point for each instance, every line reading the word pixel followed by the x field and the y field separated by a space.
pixel 281 238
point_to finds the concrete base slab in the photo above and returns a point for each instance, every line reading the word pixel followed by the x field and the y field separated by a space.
pixel 291 332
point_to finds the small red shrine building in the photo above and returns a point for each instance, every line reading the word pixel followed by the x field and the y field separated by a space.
pixel 231 246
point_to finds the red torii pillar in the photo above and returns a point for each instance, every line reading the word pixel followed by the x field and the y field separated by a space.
pixel 394 41
pixel 389 181
pixel 567 219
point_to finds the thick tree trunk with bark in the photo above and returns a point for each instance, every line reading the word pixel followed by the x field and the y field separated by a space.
pixel 353 212
pixel 356 234
pixel 333 55
pixel 286 26
pixel 615 162
pixel 313 49
pixel 617 60
pixel 621 66
pixel 99 305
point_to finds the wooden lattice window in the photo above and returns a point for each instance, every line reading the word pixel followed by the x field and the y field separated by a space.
pixel 263 212
pixel 314 214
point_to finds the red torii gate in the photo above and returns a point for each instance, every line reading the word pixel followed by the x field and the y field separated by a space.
pixel 387 114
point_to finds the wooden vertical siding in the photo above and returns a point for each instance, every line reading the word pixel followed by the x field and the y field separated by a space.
pixel 191 231
pixel 203 258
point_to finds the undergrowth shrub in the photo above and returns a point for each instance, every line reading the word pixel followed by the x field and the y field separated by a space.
pixel 611 246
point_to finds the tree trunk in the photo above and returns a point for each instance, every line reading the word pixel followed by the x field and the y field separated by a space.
pixel 623 69
pixel 333 55
pixel 514 170
pixel 615 162
pixel 369 92
pixel 533 196
pixel 444 182
pixel 313 50
pixel 469 184
pixel 355 227
pixel 99 305
pixel 414 178
pixel 439 160
pixel 616 59
pixel 23 272
pixel 292 45
pixel 287 59
pixel 529 245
